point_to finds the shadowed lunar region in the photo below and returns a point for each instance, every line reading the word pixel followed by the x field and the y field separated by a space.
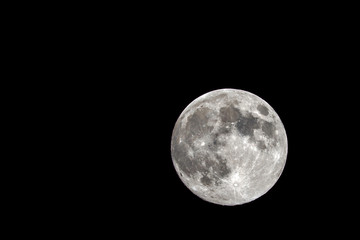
pixel 229 147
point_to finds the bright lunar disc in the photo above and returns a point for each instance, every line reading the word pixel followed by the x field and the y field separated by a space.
pixel 229 147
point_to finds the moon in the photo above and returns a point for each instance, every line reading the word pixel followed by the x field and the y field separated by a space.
pixel 229 147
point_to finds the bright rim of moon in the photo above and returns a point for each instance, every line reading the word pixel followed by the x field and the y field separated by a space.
pixel 229 147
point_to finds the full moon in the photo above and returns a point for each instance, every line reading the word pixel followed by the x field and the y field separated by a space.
pixel 229 147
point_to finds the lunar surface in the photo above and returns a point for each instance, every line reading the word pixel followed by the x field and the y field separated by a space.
pixel 229 147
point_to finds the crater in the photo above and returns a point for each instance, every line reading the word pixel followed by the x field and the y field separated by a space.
pixel 200 103
pixel 263 110
pixel 261 145
pixel 218 97
pixel 206 180
pixel 221 168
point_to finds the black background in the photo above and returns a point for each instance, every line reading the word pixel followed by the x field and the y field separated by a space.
pixel 118 86
pixel 133 172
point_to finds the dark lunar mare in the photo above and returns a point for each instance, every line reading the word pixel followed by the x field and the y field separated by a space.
pixel 268 128
pixel 246 123
pixel 201 163
pixel 261 145
pixel 197 127
pixel 263 110
pixel 229 114
pixel 197 124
